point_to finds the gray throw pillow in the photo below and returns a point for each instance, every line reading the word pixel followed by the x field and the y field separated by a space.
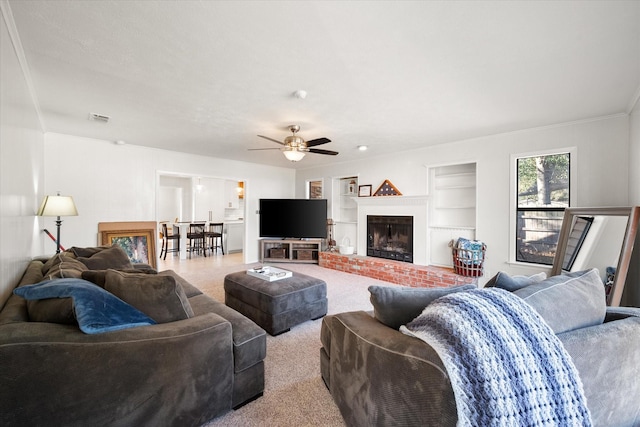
pixel 159 297
pixel 57 310
pixel 52 310
pixel 568 301
pixel 113 257
pixel 87 252
pixel 55 260
pixel 395 306
pixel 62 265
pixel 504 281
pixel 99 277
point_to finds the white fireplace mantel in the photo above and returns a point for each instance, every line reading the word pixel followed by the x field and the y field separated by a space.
pixel 415 206
pixel 391 200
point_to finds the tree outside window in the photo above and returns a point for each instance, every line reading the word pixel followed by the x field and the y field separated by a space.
pixel 314 190
pixel 543 194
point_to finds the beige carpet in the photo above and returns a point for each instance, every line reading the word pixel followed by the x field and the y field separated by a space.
pixel 295 394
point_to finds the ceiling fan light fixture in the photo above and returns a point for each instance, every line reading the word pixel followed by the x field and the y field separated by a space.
pixel 294 155
pixel 293 141
pixel 295 148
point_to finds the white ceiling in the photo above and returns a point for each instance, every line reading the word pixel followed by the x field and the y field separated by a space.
pixel 208 76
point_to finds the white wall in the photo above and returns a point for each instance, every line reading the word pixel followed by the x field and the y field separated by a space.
pixel 171 196
pixel 602 150
pixel 21 169
pixel 112 182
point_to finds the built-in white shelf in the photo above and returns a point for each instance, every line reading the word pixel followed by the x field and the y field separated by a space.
pixel 452 211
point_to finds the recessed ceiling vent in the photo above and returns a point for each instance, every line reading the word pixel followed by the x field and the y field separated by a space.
pixel 99 117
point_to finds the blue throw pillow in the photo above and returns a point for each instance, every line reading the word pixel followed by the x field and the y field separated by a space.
pixel 96 310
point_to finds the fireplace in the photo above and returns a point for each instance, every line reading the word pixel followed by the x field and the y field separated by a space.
pixel 390 237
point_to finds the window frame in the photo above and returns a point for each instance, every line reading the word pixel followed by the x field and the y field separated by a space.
pixel 309 184
pixel 513 196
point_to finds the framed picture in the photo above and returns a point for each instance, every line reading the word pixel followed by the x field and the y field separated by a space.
pixel 138 243
pixel 364 191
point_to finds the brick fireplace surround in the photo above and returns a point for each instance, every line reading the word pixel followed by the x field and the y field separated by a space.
pixel 402 273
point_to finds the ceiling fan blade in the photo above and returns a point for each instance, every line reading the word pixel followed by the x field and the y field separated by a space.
pixel 271 139
pixel 320 151
pixel 318 141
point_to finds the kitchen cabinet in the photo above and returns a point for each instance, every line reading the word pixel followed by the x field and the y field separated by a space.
pixel 235 237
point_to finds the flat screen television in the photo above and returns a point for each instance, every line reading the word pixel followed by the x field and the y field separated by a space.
pixel 293 218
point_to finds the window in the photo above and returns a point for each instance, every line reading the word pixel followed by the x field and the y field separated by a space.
pixel 542 193
pixel 314 189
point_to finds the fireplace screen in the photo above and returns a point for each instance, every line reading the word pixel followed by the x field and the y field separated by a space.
pixel 390 237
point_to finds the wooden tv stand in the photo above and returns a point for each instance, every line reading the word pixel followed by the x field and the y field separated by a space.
pixel 290 250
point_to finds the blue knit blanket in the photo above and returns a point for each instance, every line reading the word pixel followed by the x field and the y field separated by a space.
pixel 506 366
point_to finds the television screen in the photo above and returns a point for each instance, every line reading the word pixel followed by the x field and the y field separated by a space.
pixel 295 218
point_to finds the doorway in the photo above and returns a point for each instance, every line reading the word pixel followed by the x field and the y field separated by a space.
pixel 186 198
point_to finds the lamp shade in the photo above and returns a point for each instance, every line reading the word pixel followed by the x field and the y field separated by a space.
pixel 294 155
pixel 57 206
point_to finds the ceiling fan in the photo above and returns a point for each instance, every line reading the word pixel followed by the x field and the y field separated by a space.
pixel 295 147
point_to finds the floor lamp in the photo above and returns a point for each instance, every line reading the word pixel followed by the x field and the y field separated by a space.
pixel 58 206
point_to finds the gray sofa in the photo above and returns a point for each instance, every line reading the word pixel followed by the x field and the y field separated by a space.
pixel 181 371
pixel 379 376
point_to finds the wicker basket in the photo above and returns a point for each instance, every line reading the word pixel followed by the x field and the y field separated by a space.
pixel 277 253
pixel 305 254
pixel 468 262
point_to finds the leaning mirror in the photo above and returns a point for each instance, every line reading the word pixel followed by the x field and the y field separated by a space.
pixel 598 237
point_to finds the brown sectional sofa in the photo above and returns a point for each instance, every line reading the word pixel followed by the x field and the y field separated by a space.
pixel 174 373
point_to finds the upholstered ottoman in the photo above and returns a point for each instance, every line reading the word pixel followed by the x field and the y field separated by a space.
pixel 279 305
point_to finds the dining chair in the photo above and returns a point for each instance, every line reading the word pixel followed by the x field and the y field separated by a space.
pixel 214 237
pixel 167 237
pixel 196 238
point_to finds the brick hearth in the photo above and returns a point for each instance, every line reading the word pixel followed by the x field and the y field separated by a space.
pixel 402 273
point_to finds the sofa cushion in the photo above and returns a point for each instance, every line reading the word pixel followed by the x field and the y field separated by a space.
pixel 112 257
pixel 568 301
pixel 398 305
pixel 63 265
pixel 97 310
pixel 159 297
pixel 189 289
pixel 53 310
pixel 57 310
pixel 99 277
pixel 512 283
pixel 15 309
pixel 87 252
pixel 48 263
pixel 249 339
